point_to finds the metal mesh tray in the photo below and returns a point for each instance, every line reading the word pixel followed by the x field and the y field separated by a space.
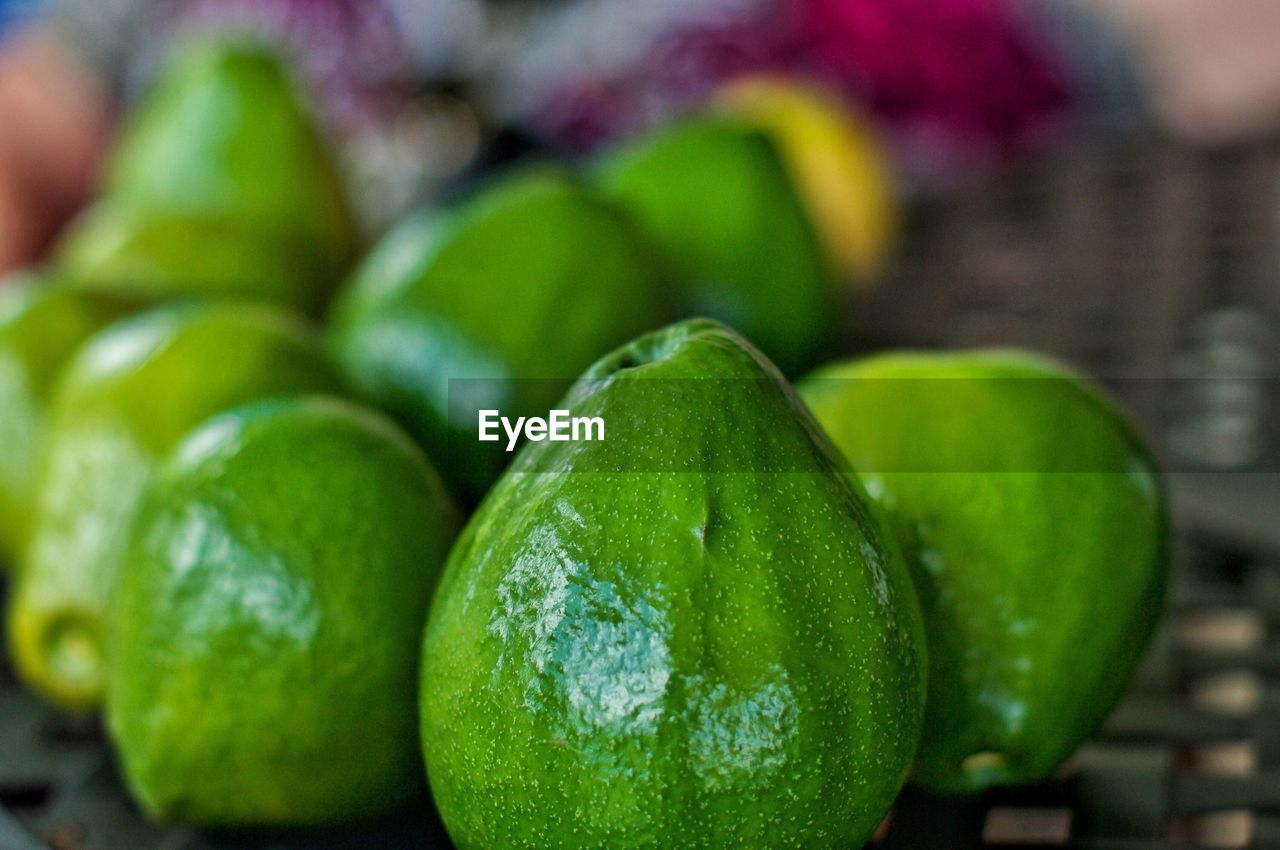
pixel 1152 265
pixel 1190 759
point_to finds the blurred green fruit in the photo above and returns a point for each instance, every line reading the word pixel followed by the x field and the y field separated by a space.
pixel 41 325
pixel 518 290
pixel 119 405
pixel 266 629
pixel 219 183
pixel 715 198
pixel 1035 524
pixel 692 634
pixel 117 249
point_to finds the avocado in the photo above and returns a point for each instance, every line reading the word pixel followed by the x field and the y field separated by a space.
pixel 116 249
pixel 714 197
pixel 1035 525
pixel 41 326
pixel 125 398
pixel 694 633
pixel 220 183
pixel 510 295
pixel 266 630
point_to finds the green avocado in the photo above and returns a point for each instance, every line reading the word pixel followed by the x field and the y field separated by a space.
pixel 715 198
pixel 220 183
pixel 120 404
pixel 515 293
pixel 266 630
pixel 1034 522
pixel 118 249
pixel 41 325
pixel 694 633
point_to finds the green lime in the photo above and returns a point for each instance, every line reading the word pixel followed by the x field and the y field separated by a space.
pixel 123 400
pixel 265 632
pixel 220 182
pixel 510 296
pixel 115 248
pixel 1034 521
pixel 715 198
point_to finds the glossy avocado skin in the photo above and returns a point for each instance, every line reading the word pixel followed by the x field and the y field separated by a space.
pixel 120 404
pixel 41 326
pixel 266 628
pixel 693 634
pixel 1034 522
pixel 715 200
pixel 515 292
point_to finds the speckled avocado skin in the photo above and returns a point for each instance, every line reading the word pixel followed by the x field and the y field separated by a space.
pixel 266 630
pixel 729 655
pixel 1034 522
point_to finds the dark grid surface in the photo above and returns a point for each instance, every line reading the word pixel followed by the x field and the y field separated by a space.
pixel 1152 266
pixel 1191 758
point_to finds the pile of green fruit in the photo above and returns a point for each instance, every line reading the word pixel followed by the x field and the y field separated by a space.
pixel 743 619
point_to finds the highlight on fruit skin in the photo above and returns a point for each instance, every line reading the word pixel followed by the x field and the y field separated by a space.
pixel 840 168
pixel 1035 524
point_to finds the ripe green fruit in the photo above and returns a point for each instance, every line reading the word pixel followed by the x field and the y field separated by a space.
pixel 219 184
pixel 266 630
pixel 1034 521
pixel 693 634
pixel 118 249
pixel 716 200
pixel 517 291
pixel 41 325
pixel 119 405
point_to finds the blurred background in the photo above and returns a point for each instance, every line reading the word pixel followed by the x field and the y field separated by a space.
pixel 1099 179
pixel 1096 178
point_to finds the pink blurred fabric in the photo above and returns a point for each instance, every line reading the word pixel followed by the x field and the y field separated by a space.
pixel 953 81
pixel 964 72
pixel 350 51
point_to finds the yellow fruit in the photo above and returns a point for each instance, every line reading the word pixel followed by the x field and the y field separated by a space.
pixel 838 165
